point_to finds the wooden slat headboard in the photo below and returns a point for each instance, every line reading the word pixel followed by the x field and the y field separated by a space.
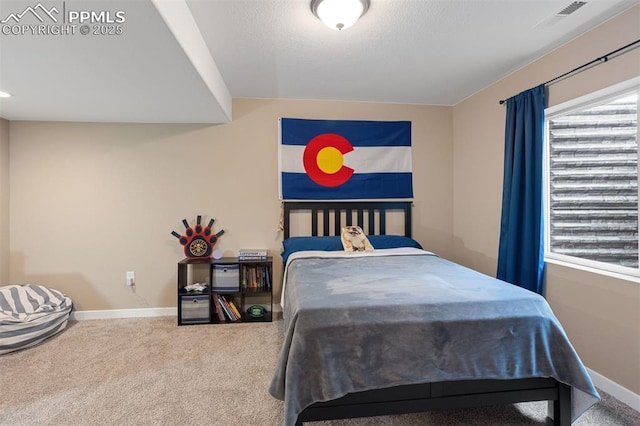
pixel 331 211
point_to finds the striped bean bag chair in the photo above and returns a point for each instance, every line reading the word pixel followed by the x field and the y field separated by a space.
pixel 29 314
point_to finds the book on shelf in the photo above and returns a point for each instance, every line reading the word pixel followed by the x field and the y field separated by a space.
pixel 216 304
pixel 255 277
pixel 267 279
pixel 233 307
pixel 229 314
pixel 252 254
pixel 225 312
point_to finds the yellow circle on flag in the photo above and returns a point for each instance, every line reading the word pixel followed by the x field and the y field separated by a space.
pixel 329 160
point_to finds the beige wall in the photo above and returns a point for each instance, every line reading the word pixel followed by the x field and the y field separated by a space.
pixel 601 315
pixel 4 202
pixel 92 201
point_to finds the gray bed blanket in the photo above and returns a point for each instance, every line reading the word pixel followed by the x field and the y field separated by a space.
pixel 368 322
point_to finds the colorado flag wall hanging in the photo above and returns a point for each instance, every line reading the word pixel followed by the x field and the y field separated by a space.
pixel 346 160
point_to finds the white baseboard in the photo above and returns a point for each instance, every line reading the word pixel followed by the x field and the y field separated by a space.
pixel 612 388
pixel 123 313
pixel 132 313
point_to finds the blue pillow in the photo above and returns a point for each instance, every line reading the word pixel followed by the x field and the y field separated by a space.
pixel 392 241
pixel 294 244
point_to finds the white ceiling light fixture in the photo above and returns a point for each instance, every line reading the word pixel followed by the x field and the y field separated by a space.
pixel 4 94
pixel 339 14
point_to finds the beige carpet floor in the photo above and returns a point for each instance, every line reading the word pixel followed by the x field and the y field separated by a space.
pixel 149 371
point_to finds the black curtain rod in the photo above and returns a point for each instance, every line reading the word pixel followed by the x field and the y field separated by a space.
pixel 596 61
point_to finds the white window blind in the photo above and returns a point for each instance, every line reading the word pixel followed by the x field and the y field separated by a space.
pixel 592 182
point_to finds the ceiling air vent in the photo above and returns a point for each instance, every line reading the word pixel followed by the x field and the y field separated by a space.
pixel 572 8
pixel 566 11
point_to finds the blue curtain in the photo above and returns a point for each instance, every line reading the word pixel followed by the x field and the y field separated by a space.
pixel 521 250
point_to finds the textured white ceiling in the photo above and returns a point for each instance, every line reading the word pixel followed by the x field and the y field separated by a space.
pixel 183 60
pixel 414 51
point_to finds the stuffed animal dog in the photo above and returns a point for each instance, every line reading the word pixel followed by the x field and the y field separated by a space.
pixel 354 239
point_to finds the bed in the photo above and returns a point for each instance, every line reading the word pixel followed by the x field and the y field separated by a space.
pixel 401 330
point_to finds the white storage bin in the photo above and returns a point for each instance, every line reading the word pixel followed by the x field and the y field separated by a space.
pixel 225 278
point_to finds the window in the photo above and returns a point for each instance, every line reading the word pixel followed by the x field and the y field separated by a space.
pixel 591 188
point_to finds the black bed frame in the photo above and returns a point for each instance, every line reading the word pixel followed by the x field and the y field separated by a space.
pixel 427 396
pixel 361 209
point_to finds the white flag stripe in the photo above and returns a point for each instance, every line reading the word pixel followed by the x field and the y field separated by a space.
pixel 387 159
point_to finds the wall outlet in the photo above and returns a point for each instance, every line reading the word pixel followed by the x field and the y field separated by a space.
pixel 131 278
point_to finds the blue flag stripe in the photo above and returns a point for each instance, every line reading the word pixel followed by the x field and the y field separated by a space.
pixel 298 186
pixel 295 131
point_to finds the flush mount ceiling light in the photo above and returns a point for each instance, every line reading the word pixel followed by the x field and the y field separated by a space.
pixel 4 94
pixel 339 14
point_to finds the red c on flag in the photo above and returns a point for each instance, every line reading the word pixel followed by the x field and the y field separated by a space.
pixel 323 160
